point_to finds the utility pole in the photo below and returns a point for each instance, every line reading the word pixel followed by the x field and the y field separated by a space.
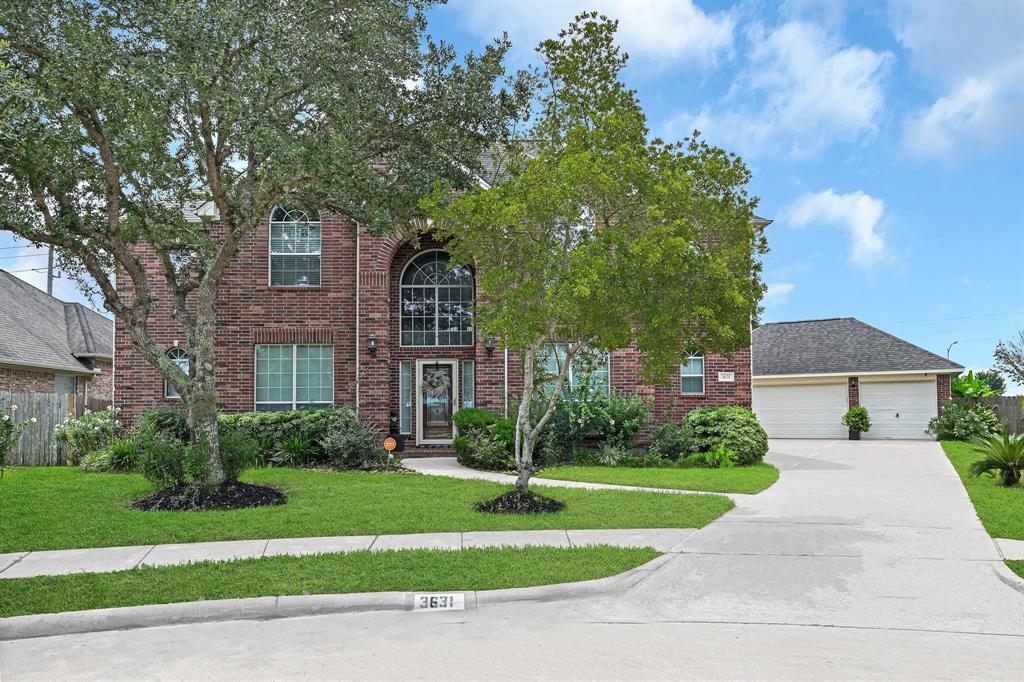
pixel 49 271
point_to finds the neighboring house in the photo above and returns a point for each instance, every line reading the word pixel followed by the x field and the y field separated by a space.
pixel 315 312
pixel 49 346
pixel 807 374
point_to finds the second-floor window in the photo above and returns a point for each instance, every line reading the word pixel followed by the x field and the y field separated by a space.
pixel 437 302
pixel 294 247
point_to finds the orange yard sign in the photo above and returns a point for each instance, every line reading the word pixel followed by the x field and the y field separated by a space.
pixel 390 443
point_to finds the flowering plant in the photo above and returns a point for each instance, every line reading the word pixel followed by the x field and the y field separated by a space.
pixel 10 432
pixel 92 431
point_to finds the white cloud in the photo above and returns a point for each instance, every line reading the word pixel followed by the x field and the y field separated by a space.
pixel 974 53
pixel 858 213
pixel 778 293
pixel 809 91
pixel 648 29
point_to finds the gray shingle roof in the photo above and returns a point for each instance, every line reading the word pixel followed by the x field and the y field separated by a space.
pixel 837 346
pixel 38 330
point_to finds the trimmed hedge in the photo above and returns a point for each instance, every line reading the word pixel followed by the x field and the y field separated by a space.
pixel 485 439
pixel 734 427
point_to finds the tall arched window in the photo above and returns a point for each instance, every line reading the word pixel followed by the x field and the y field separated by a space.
pixel 437 302
pixel 294 247
pixel 179 357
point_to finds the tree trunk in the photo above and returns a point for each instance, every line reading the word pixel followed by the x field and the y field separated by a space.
pixel 524 443
pixel 202 399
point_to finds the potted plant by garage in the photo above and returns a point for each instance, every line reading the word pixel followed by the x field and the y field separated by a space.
pixel 856 419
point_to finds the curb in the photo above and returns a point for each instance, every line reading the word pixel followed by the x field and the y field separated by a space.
pixel 1008 577
pixel 294 606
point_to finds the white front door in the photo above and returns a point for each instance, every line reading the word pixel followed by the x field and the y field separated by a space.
pixel 435 401
pixel 802 411
pixel 899 409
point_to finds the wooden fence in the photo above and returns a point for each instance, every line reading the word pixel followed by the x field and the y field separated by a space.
pixel 36 446
pixel 1009 409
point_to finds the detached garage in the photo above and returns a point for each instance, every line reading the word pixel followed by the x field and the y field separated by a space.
pixel 808 373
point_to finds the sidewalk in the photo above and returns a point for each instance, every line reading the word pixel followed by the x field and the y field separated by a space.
pixel 447 466
pixel 109 559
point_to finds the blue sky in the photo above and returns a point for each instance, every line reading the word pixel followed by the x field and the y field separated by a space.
pixel 886 141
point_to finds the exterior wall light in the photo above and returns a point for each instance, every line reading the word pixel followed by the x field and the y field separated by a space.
pixel 371 344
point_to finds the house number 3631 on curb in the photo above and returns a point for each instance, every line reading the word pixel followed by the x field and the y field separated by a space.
pixel 439 602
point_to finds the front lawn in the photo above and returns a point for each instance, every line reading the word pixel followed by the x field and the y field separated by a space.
pixel 1000 509
pixel 399 571
pixel 64 508
pixel 745 479
pixel 1017 567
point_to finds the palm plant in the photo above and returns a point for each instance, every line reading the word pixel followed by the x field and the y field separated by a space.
pixel 1002 456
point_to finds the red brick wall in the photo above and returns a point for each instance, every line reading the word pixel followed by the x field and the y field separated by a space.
pixel 101 386
pixel 251 312
pixel 942 389
pixel 25 380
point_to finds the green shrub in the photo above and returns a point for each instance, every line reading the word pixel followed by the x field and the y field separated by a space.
pixel 718 457
pixel 474 418
pixel 90 432
pixel 964 422
pixel 856 419
pixel 480 449
pixel 970 386
pixel 272 429
pixel 166 462
pixel 626 415
pixel 734 427
pixel 168 420
pixel 96 461
pixel 668 441
pixel 1002 457
pixel 349 443
pixel 292 451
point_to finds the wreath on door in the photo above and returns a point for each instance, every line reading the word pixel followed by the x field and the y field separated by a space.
pixel 437 383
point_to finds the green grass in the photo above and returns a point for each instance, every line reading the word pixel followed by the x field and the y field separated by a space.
pixel 62 508
pixel 399 571
pixel 1017 567
pixel 747 479
pixel 1000 509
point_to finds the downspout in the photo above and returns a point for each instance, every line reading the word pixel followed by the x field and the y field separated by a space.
pixel 358 283
pixel 505 401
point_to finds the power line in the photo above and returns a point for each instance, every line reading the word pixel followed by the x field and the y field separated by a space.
pixel 965 317
pixel 27 255
pixel 15 272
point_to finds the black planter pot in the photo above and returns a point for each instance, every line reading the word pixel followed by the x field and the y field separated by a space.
pixel 854 435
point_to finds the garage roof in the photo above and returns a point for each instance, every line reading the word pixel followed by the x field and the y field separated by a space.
pixel 838 345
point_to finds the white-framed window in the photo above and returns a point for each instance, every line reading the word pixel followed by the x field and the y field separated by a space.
pixel 405 396
pixel 588 365
pixel 436 305
pixel 468 383
pixel 179 357
pixel 294 377
pixel 294 247
pixel 691 375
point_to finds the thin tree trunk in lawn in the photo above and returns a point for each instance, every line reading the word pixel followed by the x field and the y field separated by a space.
pixel 202 402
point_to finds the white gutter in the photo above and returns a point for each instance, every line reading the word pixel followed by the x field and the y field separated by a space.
pixel 505 401
pixel 855 373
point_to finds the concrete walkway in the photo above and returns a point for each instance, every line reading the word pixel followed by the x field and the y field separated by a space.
pixel 109 559
pixel 865 561
pixel 447 466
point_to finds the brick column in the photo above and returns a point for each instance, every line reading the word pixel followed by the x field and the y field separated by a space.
pixel 942 390
pixel 853 391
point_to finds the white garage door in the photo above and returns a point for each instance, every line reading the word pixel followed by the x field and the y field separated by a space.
pixel 808 411
pixel 899 410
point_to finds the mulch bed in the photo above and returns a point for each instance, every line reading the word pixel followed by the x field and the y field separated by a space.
pixel 228 496
pixel 520 502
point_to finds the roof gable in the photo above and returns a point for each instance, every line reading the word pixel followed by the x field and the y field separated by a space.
pixel 841 345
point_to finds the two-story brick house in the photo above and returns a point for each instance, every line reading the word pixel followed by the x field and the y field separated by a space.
pixel 316 312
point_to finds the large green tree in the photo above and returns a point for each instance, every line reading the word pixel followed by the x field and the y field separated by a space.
pixel 600 237
pixel 1009 357
pixel 114 116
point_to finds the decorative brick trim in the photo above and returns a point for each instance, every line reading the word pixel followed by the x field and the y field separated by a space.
pixel 293 336
pixel 853 391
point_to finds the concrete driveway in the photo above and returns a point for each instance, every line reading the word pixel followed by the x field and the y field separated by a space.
pixel 865 561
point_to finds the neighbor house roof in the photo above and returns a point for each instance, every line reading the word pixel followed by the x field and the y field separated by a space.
pixel 839 345
pixel 38 330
